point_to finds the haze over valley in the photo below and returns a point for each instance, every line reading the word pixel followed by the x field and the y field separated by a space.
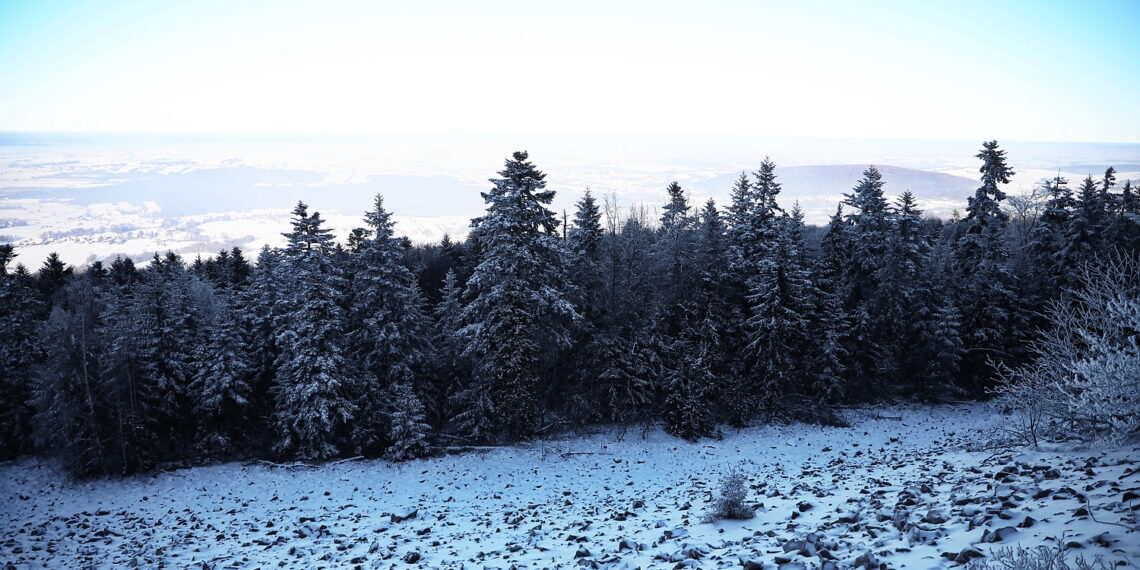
pixel 95 197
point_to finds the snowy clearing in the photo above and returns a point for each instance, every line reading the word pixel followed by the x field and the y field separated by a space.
pixel 899 487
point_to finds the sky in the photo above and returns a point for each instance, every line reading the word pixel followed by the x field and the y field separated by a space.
pixel 1031 71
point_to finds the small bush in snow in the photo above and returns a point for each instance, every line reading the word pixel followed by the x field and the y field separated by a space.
pixel 731 502
pixel 1040 558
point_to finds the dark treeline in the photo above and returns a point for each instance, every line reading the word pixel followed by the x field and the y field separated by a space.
pixel 699 318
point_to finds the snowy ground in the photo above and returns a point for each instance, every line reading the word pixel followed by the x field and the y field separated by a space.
pixel 900 486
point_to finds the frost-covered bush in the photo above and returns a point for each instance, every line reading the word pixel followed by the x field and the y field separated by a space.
pixel 1040 558
pixel 733 494
pixel 1085 380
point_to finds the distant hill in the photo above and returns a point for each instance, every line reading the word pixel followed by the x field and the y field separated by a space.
pixel 209 190
pixel 801 182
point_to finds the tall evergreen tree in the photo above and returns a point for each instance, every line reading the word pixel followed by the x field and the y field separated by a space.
pixel 222 390
pixel 450 371
pixel 390 332
pixel 313 406
pixel 409 431
pixel 52 276
pixel 1084 230
pixel 869 231
pixel 989 306
pixel 19 351
pixel 779 325
pixel 518 306
pixel 74 415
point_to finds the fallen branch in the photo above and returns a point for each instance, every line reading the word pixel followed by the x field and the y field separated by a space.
pixel 569 453
pixel 1088 507
pixel 287 466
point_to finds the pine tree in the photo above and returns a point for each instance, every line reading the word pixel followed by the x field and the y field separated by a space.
pixel 73 415
pixel 52 276
pixel 390 332
pixel 1047 243
pixel 518 309
pixel 628 365
pixel 753 220
pixel 904 258
pixel 690 382
pixel 869 230
pixel 450 371
pixel 675 251
pixel 834 252
pixel 240 269
pixel 779 325
pixel 1085 227
pixel 585 242
pixel 123 272
pixel 313 406
pixel 221 389
pixel 409 429
pixel 675 215
pixel 989 307
pixel 19 351
pixel 261 304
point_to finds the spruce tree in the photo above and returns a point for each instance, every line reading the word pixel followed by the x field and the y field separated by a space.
pixel 779 326
pixel 261 306
pixel 869 231
pixel 313 409
pixel 690 382
pixel 450 370
pixel 990 310
pixel 1084 230
pixel 390 332
pixel 222 390
pixel 675 252
pixel 1047 242
pixel 409 430
pixel 76 412
pixel 19 351
pixel 518 308
pixel 52 276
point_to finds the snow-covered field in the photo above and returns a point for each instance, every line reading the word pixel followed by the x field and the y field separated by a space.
pixel 900 487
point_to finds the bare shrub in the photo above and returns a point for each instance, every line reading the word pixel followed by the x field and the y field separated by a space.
pixel 1085 380
pixel 1039 558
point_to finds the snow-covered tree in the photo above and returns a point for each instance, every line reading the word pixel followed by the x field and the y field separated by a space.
pixel 450 370
pixel 690 382
pixel 221 389
pixel 868 232
pixel 390 337
pixel 408 427
pixel 19 351
pixel 1086 224
pixel 75 413
pixel 518 306
pixel 52 276
pixel 782 303
pixel 261 307
pixel 1086 371
pixel 988 305
pixel 313 408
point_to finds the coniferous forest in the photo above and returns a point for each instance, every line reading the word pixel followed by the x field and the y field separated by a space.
pixel 697 318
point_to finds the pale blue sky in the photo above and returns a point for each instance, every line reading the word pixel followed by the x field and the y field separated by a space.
pixel 1065 71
